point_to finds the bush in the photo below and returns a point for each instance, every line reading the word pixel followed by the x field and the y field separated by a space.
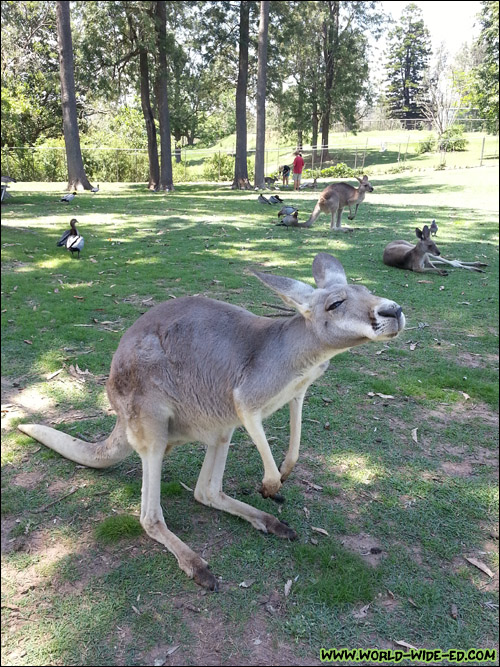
pixel 339 170
pixel 453 139
pixel 426 146
pixel 219 167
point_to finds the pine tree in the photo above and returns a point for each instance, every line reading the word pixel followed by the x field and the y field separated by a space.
pixel 409 52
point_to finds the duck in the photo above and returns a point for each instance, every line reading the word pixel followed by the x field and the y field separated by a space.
pixel 291 220
pixel 287 210
pixel 434 228
pixel 72 239
pixel 67 198
pixel 274 199
pixel 95 189
pixel 263 200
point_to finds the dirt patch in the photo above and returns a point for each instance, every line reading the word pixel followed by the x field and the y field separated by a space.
pixel 366 546
pixel 215 642
pixel 464 412
pixel 27 480
pixel 461 469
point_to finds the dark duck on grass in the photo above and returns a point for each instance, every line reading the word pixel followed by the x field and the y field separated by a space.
pixel 72 239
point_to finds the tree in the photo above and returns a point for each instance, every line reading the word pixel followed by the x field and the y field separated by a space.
pixel 444 93
pixel 261 95
pixel 240 163
pixel 486 75
pixel 31 99
pixel 77 179
pixel 166 177
pixel 409 53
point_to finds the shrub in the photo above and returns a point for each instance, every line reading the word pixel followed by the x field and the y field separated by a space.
pixel 339 170
pixel 426 146
pixel 219 167
pixel 453 139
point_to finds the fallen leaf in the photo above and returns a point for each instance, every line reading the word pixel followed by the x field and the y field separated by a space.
pixel 322 531
pixel 94 261
pixel 314 541
pixel 454 611
pixel 372 394
pixel 326 426
pixel 481 566
pixel 29 342
pixel 246 584
pixel 185 486
pixel 413 346
pixel 428 282
pixel 288 586
pixel 441 288
pixel 316 487
pixel 136 610
pixel 405 644
pixel 413 603
pixel 82 298
pixel 52 375
pixel 414 435
pixel 466 396
pixel 307 512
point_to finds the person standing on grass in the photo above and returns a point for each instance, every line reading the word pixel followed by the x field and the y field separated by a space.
pixel 298 165
pixel 286 173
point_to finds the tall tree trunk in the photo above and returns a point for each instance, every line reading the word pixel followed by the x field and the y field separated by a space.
pixel 154 167
pixel 240 162
pixel 77 179
pixel 330 54
pixel 260 139
pixel 166 176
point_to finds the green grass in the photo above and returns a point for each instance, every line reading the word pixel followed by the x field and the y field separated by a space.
pixel 424 505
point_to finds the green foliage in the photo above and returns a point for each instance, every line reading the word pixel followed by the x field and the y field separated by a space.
pixel 426 146
pixel 453 139
pixel 339 170
pixel 219 167
pixel 114 528
pixel 486 75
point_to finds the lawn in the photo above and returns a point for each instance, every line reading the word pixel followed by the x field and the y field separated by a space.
pixel 403 484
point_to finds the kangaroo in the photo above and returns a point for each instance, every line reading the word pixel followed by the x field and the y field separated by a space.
pixel 193 369
pixel 336 197
pixel 405 255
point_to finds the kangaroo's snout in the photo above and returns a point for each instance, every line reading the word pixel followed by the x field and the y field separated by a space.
pixel 391 311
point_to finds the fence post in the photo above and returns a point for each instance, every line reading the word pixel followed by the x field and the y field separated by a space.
pixel 482 152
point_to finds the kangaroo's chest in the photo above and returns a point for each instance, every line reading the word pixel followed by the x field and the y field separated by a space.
pixel 294 388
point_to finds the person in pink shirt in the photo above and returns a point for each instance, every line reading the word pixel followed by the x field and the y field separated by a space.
pixel 298 165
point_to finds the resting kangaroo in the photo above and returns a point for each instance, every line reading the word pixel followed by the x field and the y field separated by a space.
pixel 336 197
pixel 195 369
pixel 405 255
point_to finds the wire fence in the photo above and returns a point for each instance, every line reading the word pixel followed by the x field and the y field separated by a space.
pixel 342 157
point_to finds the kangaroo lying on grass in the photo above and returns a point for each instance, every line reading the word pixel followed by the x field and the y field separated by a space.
pixel 423 256
pixel 335 198
pixel 195 369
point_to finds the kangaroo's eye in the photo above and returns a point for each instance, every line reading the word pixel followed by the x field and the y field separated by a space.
pixel 335 305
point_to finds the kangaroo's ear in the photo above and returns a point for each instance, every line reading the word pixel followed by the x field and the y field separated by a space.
pixel 418 233
pixel 328 270
pixel 294 293
pixel 426 232
pixel 358 179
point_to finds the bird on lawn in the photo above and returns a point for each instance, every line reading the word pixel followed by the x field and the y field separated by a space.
pixel 72 239
pixel 95 189
pixel 67 198
pixel 274 199
pixel 263 200
pixel 434 228
pixel 287 210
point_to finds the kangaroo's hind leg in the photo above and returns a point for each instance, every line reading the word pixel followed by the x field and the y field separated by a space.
pixel 209 491
pixel 149 437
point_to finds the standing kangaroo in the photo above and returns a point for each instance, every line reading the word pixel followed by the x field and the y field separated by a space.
pixel 405 255
pixel 195 369
pixel 336 197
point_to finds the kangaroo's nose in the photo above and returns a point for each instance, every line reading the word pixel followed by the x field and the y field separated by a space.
pixel 391 311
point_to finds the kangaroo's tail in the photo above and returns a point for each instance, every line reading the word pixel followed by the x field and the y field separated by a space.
pixel 92 454
pixel 313 217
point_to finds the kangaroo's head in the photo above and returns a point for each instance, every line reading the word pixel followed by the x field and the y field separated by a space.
pixel 426 243
pixel 340 315
pixel 364 184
